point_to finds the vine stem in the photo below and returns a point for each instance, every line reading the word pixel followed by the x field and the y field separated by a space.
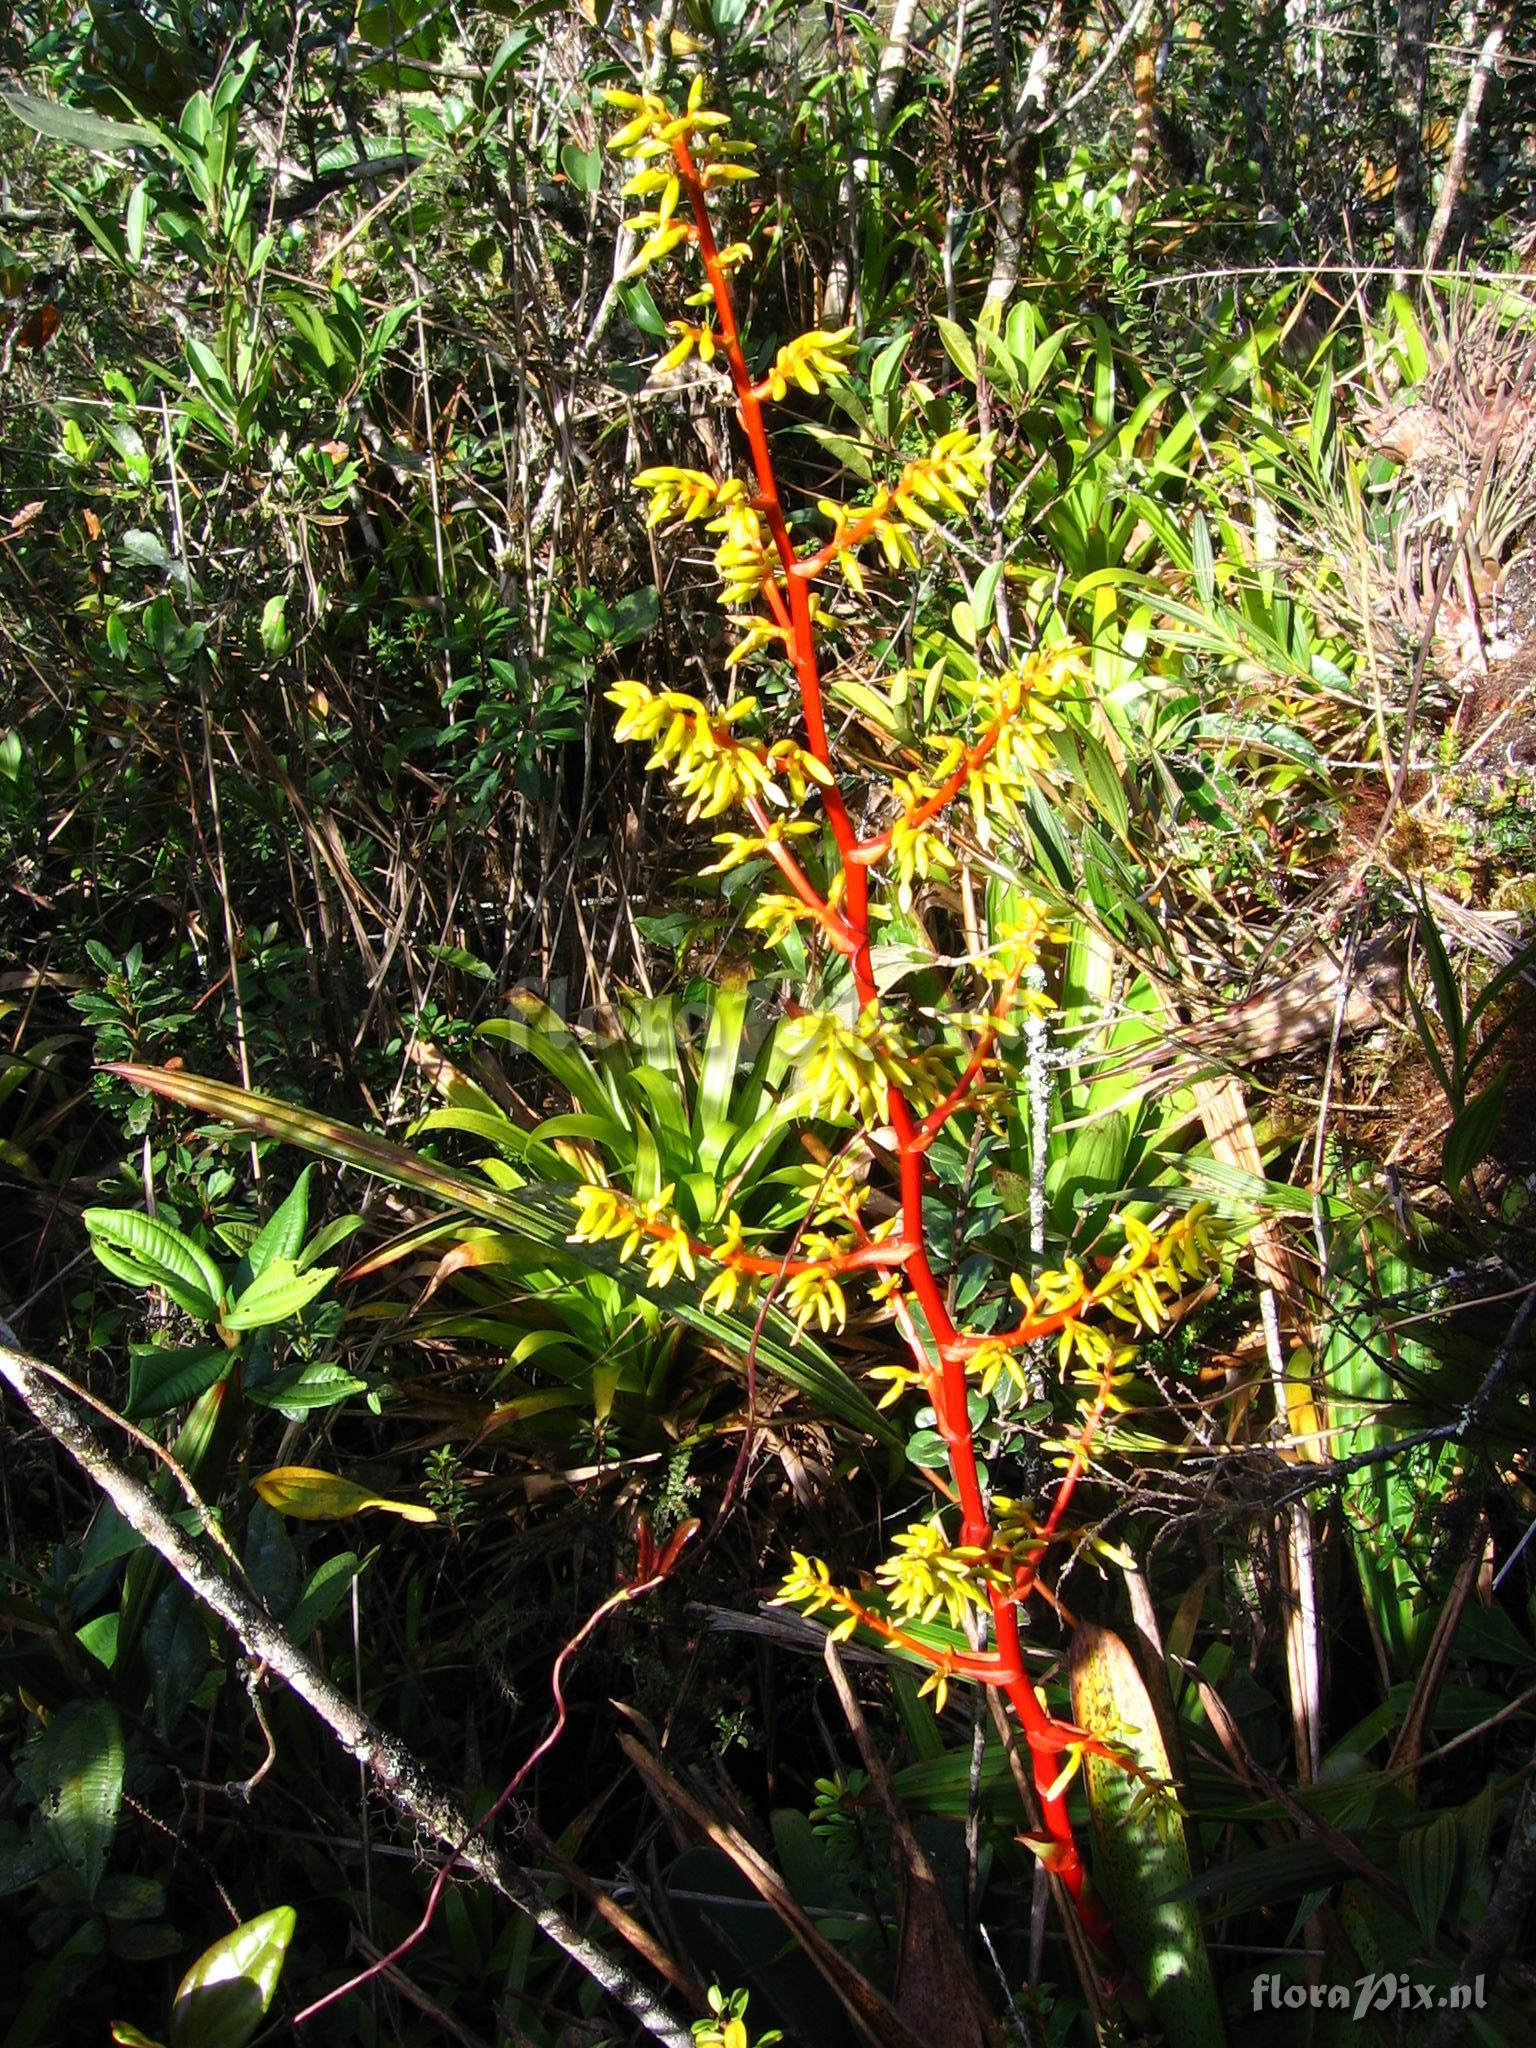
pixel 622 1597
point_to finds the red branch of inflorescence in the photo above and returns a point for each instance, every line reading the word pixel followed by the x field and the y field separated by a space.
pixel 1051 1743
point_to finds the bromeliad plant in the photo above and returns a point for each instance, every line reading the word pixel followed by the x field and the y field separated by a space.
pixel 860 1059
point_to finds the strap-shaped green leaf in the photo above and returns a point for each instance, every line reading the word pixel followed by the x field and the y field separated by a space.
pixel 1142 1853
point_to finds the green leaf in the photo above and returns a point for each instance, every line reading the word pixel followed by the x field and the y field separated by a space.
pixel 1426 1862
pixel 283 1232
pixel 80 1768
pixel 22 1863
pixel 1474 1825
pixel 960 349
pixel 75 126
pixel 131 1898
pixel 138 1942
pixel 136 221
pixel 328 1587
pixel 310 1495
pixel 161 1379
pixel 643 310
pixel 1447 994
pixel 100 1638
pixel 271 1561
pixel 146 550
pixel 883 374
pixel 278 1292
pixel 211 376
pixel 176 1649
pixel 276 638
pixel 584 167
pixel 635 614
pixel 305 1387
pixel 1471 1137
pixel 148 1253
pixel 984 595
pixel 1204 559
pixel 1143 1855
pixel 540 1219
pixel 223 1998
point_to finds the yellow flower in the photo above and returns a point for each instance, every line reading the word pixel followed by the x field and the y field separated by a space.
pixel 745 846
pixel 917 850
pixel 604 1213
pixel 775 914
pixel 930 1575
pixel 815 1296
pixel 1018 940
pixel 954 469
pixel 690 340
pixel 901 1377
pixel 685 493
pixel 848 1069
pixel 666 1254
pixel 991 1359
pixel 937 1683
pixel 715 172
pixel 662 179
pixel 653 127
pixel 809 358
pixel 758 635
pixel 709 766
pixel 742 560
pixel 809 1585
pixel 659 243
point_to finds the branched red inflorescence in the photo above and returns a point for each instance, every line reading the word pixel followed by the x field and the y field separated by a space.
pixel 864 1068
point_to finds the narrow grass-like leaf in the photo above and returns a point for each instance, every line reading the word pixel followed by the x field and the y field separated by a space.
pixel 1142 1852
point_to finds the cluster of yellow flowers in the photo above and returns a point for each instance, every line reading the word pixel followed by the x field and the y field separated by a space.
pixel 686 494
pixel 929 1575
pixel 1018 940
pixel 848 1069
pixel 953 470
pixel 775 913
pixel 742 560
pixel 653 1228
pixel 711 767
pixel 917 850
pixel 667 143
pixel 809 361
pixel 745 846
